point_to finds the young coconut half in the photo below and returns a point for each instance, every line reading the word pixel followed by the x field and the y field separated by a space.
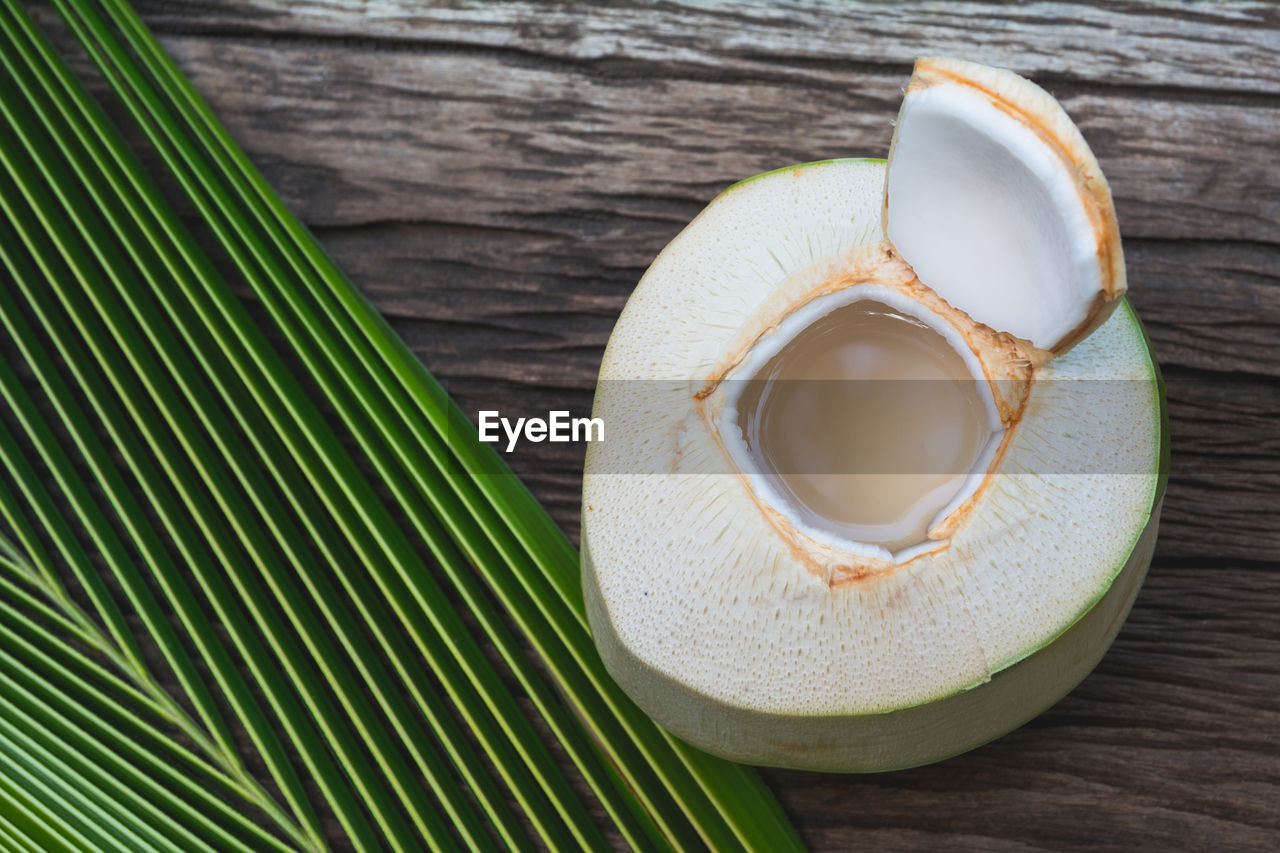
pixel 895 567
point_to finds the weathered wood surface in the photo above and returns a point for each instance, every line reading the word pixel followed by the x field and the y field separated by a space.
pixel 496 177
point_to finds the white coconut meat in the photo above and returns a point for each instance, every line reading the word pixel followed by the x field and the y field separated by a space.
pixel 751 638
pixel 997 203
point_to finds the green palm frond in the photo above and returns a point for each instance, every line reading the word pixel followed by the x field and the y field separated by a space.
pixel 258 589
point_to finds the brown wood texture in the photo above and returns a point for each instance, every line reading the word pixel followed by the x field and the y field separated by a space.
pixel 497 177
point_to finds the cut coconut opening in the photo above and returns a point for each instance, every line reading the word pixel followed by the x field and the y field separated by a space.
pixel 865 420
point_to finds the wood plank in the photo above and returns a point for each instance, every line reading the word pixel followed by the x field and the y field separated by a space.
pixel 1224 47
pixel 542 295
pixel 1208 306
pixel 479 140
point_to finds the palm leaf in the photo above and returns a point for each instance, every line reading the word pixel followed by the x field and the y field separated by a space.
pixel 260 585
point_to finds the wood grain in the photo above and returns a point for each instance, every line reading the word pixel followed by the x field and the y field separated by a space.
pixel 402 135
pixel 1203 45
pixel 496 178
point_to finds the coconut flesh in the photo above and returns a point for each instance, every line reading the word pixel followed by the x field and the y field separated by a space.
pixel 889 445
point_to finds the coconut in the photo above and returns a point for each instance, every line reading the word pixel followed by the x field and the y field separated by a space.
pixel 764 625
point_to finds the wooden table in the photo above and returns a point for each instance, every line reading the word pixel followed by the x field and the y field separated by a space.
pixel 497 178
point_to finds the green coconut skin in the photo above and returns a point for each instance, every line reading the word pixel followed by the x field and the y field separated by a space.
pixel 896 740
pixel 909 736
